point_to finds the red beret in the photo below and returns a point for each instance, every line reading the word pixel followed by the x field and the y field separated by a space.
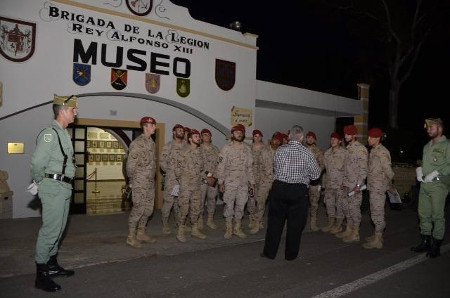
pixel 148 120
pixel 194 132
pixel 279 136
pixel 336 136
pixel 284 136
pixel 311 134
pixel 177 126
pixel 375 133
pixel 350 130
pixel 239 127
pixel 205 130
pixel 257 132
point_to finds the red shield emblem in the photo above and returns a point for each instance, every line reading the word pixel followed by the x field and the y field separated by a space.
pixel 225 74
pixel 152 82
pixel 118 78
pixel 17 39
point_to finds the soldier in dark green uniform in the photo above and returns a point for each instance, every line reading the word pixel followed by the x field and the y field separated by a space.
pixel 434 175
pixel 52 169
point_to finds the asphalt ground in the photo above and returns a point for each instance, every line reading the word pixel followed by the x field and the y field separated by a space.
pixel 106 267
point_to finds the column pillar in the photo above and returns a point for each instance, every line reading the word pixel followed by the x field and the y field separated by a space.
pixel 361 121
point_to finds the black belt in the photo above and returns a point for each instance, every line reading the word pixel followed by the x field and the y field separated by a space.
pixel 59 177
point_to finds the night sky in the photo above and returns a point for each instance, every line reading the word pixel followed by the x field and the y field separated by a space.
pixel 313 47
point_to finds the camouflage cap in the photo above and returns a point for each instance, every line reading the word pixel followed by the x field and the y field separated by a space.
pixel 67 101
pixel 433 121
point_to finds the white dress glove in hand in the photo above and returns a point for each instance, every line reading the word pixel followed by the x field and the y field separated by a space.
pixel 33 188
pixel 419 174
pixel 430 177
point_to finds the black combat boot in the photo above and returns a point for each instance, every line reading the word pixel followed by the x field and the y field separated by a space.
pixel 424 245
pixel 55 270
pixel 43 279
pixel 435 249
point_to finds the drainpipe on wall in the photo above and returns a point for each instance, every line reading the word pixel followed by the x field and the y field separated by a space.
pixel 361 121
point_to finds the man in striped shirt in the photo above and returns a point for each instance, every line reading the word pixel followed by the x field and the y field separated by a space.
pixel 294 167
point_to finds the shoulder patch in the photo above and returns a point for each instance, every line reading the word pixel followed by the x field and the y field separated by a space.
pixel 48 137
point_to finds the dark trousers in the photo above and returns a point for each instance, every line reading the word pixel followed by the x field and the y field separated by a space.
pixel 287 202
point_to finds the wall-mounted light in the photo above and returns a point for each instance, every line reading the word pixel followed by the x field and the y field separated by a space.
pixel 236 25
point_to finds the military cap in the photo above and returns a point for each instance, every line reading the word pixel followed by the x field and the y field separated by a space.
pixel 257 132
pixel 433 121
pixel 239 127
pixel 177 126
pixel 67 101
pixel 278 136
pixel 336 136
pixel 148 120
pixel 375 133
pixel 311 134
pixel 350 130
pixel 205 130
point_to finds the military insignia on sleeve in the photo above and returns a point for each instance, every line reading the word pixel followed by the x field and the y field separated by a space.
pixel 225 74
pixel 118 78
pixel 48 137
pixel 183 87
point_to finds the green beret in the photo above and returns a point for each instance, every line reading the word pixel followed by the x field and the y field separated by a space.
pixel 68 101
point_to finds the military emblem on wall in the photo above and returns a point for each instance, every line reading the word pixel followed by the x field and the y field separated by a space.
pixel 152 82
pixel 225 74
pixel 81 74
pixel 183 87
pixel 140 7
pixel 17 39
pixel 118 78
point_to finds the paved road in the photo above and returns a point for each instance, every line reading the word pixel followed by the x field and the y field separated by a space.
pixel 220 268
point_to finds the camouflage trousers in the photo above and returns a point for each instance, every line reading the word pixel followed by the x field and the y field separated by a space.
pixel 143 204
pixel 333 201
pixel 257 205
pixel 189 202
pixel 235 197
pixel 314 196
pixel 377 202
pixel 170 201
pixel 209 195
pixel 352 209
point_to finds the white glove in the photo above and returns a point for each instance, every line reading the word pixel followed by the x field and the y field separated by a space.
pixel 419 174
pixel 33 188
pixel 430 177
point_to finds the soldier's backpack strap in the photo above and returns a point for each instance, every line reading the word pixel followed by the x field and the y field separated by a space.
pixel 63 153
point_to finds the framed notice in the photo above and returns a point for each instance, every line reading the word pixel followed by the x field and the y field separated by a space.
pixel 94 144
pixel 119 157
pixel 109 144
pixel 112 157
pixel 98 157
pixel 104 157
pixel 115 145
pixel 101 144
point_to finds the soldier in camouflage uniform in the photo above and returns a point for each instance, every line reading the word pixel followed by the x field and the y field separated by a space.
pixel 170 163
pixel 379 180
pixel 235 174
pixel 334 159
pixel 191 179
pixel 275 142
pixel 355 173
pixel 141 169
pixel 209 193
pixel 314 187
pixel 263 171
pixel 52 169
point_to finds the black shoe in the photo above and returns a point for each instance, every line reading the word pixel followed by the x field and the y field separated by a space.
pixel 44 281
pixel 424 244
pixel 55 270
pixel 435 249
pixel 263 255
pixel 290 258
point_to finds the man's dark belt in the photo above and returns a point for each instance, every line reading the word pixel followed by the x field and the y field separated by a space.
pixel 59 177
